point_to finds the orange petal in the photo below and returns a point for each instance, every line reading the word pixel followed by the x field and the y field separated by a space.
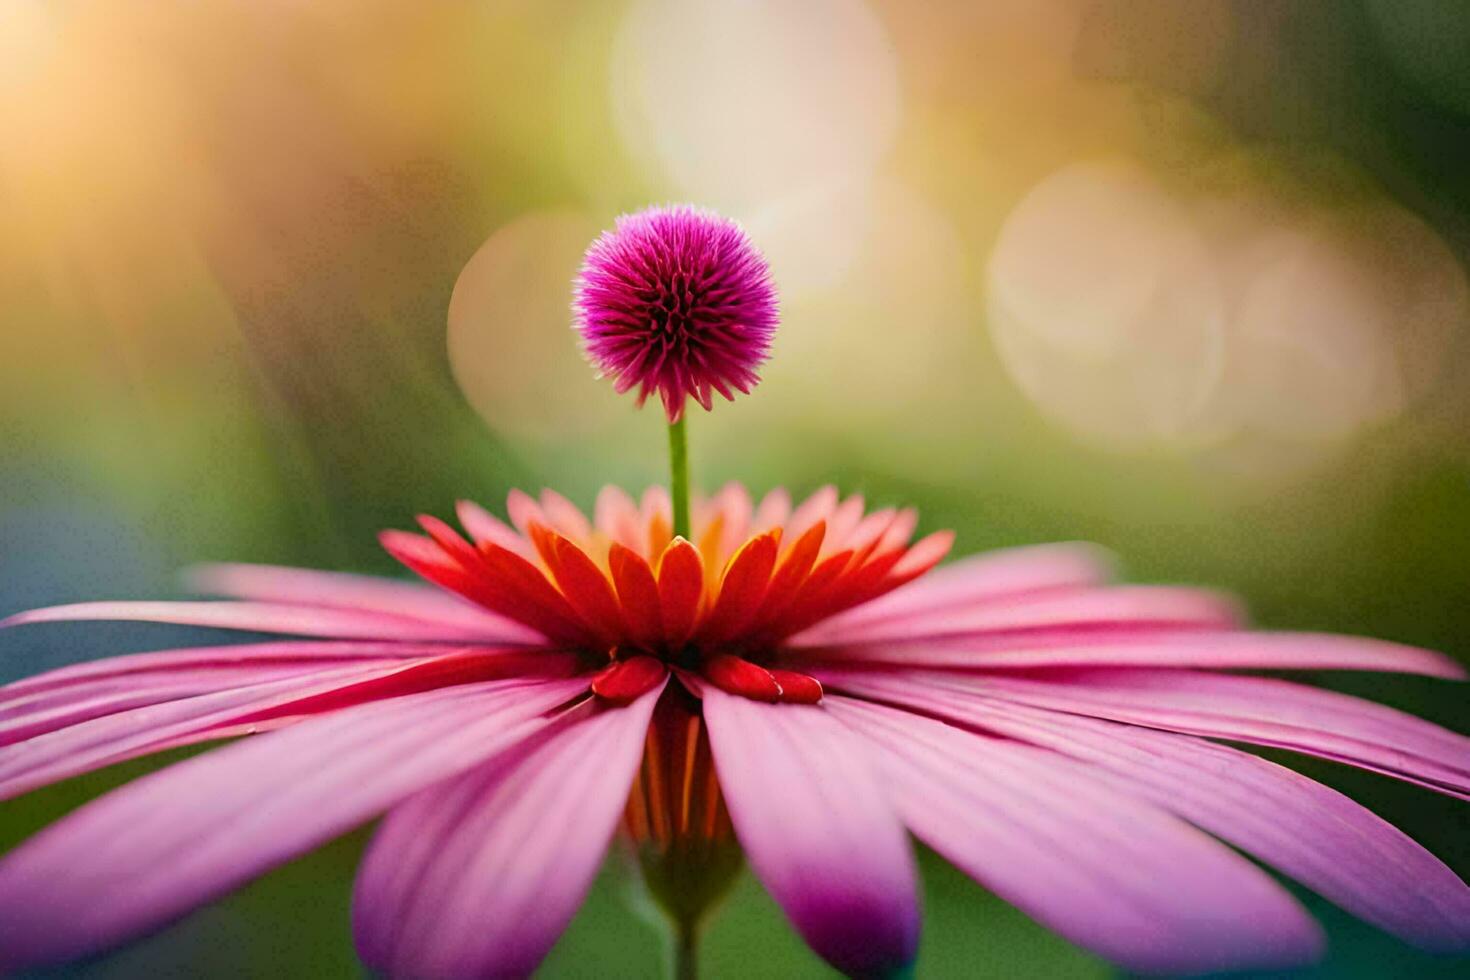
pixel 660 533
pixel 542 537
pixel 638 593
pixel 585 587
pixel 865 579
pixel 680 589
pixel 792 572
pixel 878 576
pixel 737 676
pixel 628 680
pixel 862 580
pixel 709 545
pixel 521 591
pixel 742 588
pixel 812 593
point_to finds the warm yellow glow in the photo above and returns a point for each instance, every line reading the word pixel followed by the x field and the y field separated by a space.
pixel 510 340
pixel 743 103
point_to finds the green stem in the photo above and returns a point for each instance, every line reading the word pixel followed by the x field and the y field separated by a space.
pixel 686 952
pixel 679 476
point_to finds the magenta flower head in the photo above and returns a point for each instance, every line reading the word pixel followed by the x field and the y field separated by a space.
pixel 676 300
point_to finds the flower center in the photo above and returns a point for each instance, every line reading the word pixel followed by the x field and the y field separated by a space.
pixel 673 306
pixel 638 602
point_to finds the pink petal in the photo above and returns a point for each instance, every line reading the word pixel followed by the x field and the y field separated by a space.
pixel 773 511
pixel 980 579
pixel 244 656
pixel 46 710
pixel 734 506
pixel 478 876
pixel 1115 875
pixel 89 745
pixel 616 515
pixel 655 505
pixel 1312 833
pixel 1119 605
pixel 1261 710
pixel 565 517
pixel 524 511
pixel 870 532
pixel 485 528
pixel 818 830
pixel 1143 648
pixel 818 507
pixel 337 590
pixel 146 854
pixel 844 520
pixel 263 617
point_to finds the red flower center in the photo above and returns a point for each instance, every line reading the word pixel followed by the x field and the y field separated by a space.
pixel 635 602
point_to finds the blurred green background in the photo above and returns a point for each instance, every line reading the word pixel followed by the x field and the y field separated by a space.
pixel 1184 279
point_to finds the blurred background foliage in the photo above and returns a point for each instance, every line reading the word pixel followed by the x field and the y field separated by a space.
pixel 1185 279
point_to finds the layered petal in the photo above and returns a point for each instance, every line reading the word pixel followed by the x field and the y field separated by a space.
pixel 498 578
pixel 1072 647
pixel 680 590
pixel 479 876
pixel 339 590
pixel 1259 710
pixel 243 656
pixel 976 581
pixel 582 584
pixel 55 755
pixel 487 529
pixel 1097 609
pixel 638 594
pixel 773 510
pixel 616 516
pixel 818 830
pixel 265 617
pixel 1316 835
pixel 26 715
pixel 741 590
pixel 1111 873
pixel 164 844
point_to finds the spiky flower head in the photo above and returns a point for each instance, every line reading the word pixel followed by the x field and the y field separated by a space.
pixel 676 300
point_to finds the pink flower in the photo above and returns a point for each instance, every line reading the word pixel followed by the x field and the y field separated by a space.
pixel 792 684
pixel 678 301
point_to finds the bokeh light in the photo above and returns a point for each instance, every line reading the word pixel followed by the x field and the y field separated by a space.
pixel 742 103
pixel 509 331
pixel 1144 315
pixel 1106 307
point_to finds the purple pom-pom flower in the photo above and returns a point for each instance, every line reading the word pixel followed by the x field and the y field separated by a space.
pixel 676 300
